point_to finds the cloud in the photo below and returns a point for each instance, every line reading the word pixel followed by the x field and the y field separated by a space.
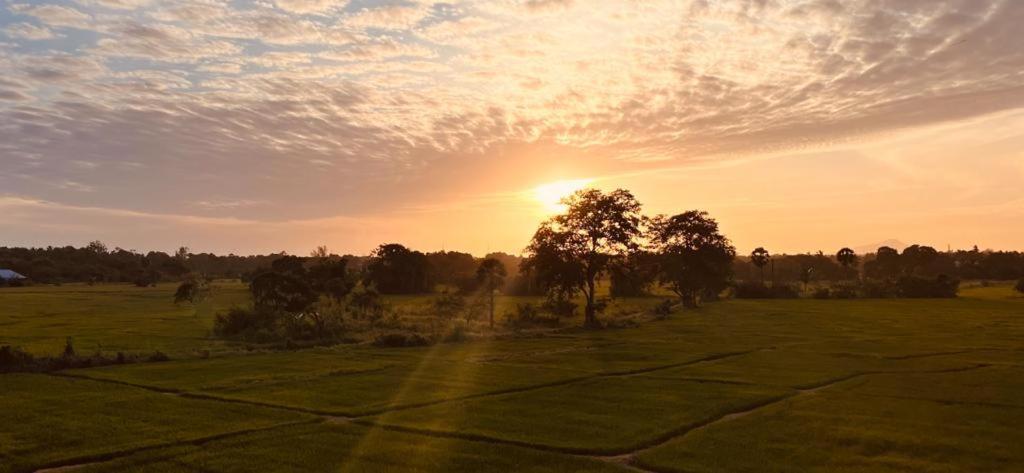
pixel 54 15
pixel 331 107
pixel 395 17
pixel 116 4
pixel 308 6
pixel 29 31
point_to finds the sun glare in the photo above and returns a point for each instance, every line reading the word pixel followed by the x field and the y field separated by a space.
pixel 550 195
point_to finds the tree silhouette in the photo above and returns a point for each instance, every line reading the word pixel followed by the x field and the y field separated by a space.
pixel 194 289
pixel 694 257
pixel 847 258
pixel 570 251
pixel 760 258
pixel 395 269
pixel 491 276
pixel 320 252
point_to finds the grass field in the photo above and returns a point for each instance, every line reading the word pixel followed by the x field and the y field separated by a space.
pixel 121 317
pixel 752 386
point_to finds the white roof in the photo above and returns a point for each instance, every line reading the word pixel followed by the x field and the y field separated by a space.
pixel 8 274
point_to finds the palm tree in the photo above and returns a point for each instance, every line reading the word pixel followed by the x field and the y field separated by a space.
pixel 847 258
pixel 491 274
pixel 760 257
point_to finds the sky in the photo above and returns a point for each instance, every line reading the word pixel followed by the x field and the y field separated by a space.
pixel 261 126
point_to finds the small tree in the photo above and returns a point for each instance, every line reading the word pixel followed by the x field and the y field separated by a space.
pixel 760 258
pixel 846 258
pixel 194 290
pixel 806 273
pixel 448 305
pixel 366 301
pixel 491 276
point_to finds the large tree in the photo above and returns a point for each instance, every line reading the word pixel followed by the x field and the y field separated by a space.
pixel 694 258
pixel 570 251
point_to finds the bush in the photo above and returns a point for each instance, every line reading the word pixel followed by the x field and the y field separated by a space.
pixel 457 334
pixel 878 289
pixel 400 339
pixel 916 287
pixel 257 325
pixel 158 356
pixel 757 290
pixel 822 293
pixel 1020 286
pixel 15 359
pixel 559 305
pixel 844 291
pixel 528 315
pixel 663 309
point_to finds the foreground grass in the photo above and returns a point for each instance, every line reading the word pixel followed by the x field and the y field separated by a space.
pixel 48 420
pixel 594 416
pixel 350 449
pixel 844 430
pixel 667 393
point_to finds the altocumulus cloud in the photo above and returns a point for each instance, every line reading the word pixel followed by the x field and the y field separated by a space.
pixel 246 99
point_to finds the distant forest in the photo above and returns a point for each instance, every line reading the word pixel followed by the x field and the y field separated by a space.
pixel 96 263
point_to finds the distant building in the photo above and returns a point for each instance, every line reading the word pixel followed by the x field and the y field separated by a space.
pixel 8 275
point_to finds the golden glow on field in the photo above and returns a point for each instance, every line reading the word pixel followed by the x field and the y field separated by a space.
pixel 550 195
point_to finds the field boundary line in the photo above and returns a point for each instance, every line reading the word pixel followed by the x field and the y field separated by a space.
pixel 375 412
pixel 632 458
pixel 84 460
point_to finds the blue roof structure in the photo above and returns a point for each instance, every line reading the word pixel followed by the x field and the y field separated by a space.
pixel 7 275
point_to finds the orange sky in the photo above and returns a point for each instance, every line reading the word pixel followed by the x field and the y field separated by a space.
pixel 252 127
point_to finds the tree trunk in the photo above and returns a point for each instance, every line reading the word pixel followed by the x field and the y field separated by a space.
pixel 589 314
pixel 492 309
pixel 690 300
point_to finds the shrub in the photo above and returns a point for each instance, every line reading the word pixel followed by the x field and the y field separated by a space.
pixel 247 324
pixel 663 309
pixel 400 339
pixel 158 356
pixel 15 359
pixel 918 287
pixel 756 290
pixel 457 334
pixel 822 293
pixel 878 289
pixel 559 305
pixel 448 305
pixel 1020 286
pixel 844 291
pixel 528 315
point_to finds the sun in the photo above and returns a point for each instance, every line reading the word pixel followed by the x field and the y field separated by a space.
pixel 550 195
